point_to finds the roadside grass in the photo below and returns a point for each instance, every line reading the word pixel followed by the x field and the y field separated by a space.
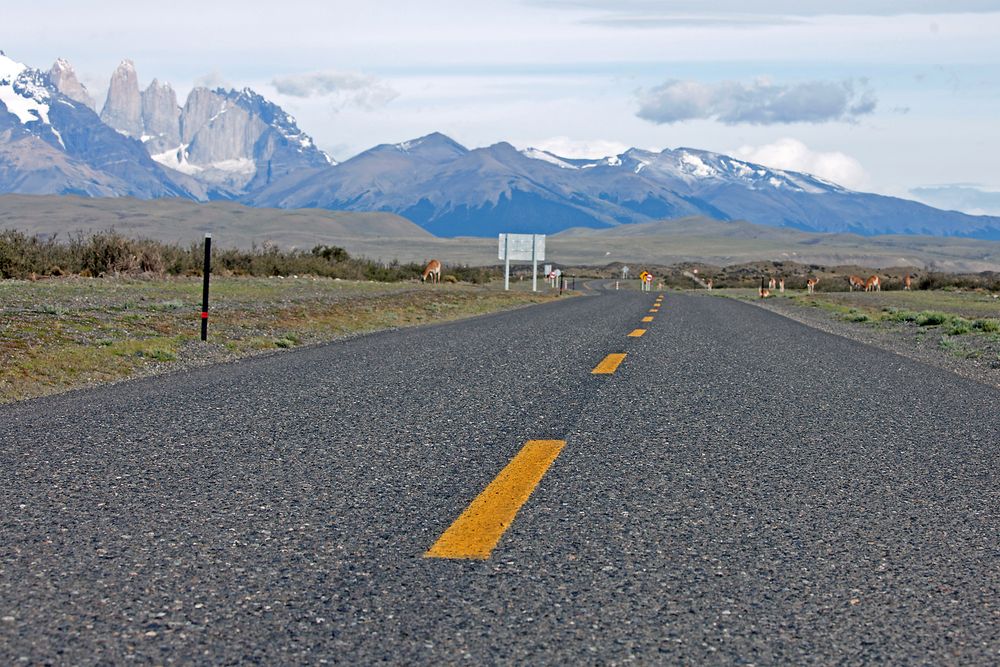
pixel 66 333
pixel 958 312
pixel 972 316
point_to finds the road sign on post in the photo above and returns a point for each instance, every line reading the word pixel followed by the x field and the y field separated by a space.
pixel 524 247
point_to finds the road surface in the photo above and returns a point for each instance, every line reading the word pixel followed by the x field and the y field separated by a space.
pixel 738 489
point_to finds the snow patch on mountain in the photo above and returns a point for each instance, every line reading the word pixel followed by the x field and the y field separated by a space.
pixel 176 159
pixel 23 92
pixel 544 156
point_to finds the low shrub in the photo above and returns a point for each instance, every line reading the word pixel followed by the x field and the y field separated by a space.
pixel 930 318
pixel 110 253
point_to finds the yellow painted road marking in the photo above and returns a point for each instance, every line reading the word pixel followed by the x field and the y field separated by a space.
pixel 648 318
pixel 477 530
pixel 654 310
pixel 636 333
pixel 609 365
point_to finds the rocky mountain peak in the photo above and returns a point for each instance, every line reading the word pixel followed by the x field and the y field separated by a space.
pixel 161 117
pixel 123 107
pixel 63 77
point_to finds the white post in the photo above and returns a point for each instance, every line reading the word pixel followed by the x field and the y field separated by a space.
pixel 534 265
pixel 506 257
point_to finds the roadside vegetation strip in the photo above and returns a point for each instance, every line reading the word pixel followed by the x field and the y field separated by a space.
pixel 476 532
pixel 75 332
pixel 610 364
pixel 958 330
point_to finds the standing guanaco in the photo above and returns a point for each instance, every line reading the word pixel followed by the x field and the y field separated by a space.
pixel 763 291
pixel 811 284
pixel 907 281
pixel 856 281
pixel 708 283
pixel 873 284
pixel 781 285
pixel 772 283
pixel 433 269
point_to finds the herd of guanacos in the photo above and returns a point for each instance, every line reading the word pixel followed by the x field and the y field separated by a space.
pixel 873 284
pixel 433 272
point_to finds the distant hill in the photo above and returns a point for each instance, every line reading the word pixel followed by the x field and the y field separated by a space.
pixel 174 220
pixel 387 236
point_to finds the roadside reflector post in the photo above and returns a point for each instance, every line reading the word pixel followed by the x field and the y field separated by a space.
pixel 204 289
pixel 534 264
pixel 506 257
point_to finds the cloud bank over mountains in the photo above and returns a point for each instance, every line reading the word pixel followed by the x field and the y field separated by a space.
pixel 760 102
pixel 344 88
pixel 793 155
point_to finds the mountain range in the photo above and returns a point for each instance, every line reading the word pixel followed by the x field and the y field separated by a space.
pixel 235 145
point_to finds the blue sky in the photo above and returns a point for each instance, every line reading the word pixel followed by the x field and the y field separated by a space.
pixel 902 99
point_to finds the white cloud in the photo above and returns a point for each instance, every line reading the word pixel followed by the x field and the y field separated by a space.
pixel 576 148
pixel 343 88
pixel 213 80
pixel 759 102
pixel 793 155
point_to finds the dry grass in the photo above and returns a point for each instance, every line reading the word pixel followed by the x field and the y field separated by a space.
pixel 73 332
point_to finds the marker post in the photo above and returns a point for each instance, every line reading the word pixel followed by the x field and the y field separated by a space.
pixel 204 289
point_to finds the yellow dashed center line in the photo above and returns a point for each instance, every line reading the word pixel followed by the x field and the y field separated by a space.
pixel 476 532
pixel 648 318
pixel 609 365
pixel 636 333
pixel 654 310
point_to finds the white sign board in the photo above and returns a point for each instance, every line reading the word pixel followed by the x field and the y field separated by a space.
pixel 518 247
pixel 548 269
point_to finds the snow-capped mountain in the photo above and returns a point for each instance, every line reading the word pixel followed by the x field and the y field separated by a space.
pixel 229 144
pixel 53 144
pixel 232 142
pixel 450 191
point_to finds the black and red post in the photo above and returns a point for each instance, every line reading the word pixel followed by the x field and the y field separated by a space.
pixel 204 290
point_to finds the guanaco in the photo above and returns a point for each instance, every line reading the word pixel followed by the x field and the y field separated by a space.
pixel 708 283
pixel 907 281
pixel 856 281
pixel 873 284
pixel 772 283
pixel 433 269
pixel 781 285
pixel 811 284
pixel 763 291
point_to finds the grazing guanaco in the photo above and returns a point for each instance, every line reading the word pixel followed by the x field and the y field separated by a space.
pixel 856 281
pixel 907 281
pixel 433 269
pixel 781 285
pixel 873 283
pixel 811 284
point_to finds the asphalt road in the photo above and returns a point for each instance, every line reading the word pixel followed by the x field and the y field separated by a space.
pixel 742 490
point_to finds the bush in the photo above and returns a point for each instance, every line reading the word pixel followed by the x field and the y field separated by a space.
pixel 987 326
pixel 111 253
pixel 931 318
